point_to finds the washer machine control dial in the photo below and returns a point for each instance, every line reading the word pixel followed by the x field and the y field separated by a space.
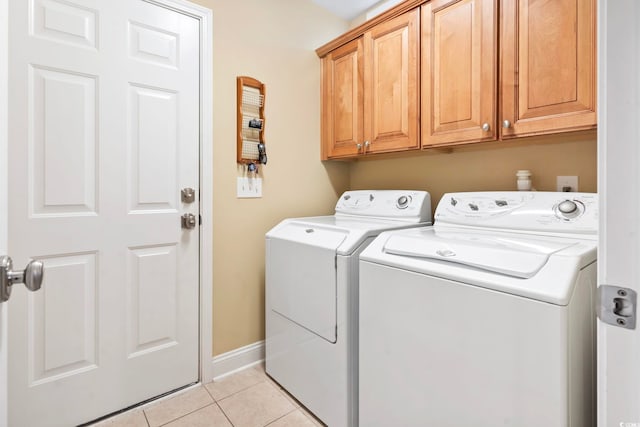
pixel 569 209
pixel 403 202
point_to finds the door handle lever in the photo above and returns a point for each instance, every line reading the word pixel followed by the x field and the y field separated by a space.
pixel 31 276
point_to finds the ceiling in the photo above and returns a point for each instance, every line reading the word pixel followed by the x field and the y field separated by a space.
pixel 347 9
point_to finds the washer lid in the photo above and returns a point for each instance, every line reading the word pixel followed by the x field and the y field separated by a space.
pixel 512 256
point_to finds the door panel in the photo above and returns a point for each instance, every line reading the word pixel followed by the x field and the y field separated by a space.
pixel 65 22
pixel 343 104
pixel 392 86
pixel 153 149
pixel 548 80
pixel 152 316
pixel 459 47
pixel 62 319
pixel 105 110
pixel 63 149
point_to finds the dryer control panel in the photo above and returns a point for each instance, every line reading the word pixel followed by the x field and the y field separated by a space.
pixel 404 205
pixel 530 211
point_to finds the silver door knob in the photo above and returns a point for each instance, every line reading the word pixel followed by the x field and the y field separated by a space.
pixel 506 124
pixel 366 145
pixel 188 221
pixel 486 127
pixel 31 276
pixel 359 147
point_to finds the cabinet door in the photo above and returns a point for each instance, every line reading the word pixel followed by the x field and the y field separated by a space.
pixel 342 101
pixel 392 87
pixel 459 66
pixel 548 66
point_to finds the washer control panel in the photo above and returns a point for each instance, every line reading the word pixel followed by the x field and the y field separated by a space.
pixel 407 205
pixel 533 211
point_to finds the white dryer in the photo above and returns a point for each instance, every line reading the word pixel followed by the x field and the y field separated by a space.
pixel 312 296
pixel 485 319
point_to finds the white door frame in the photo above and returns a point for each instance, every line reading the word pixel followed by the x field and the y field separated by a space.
pixel 4 208
pixel 204 15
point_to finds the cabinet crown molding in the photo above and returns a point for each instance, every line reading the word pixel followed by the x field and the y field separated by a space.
pixel 368 25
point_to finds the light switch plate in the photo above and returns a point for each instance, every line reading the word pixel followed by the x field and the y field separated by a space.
pixel 249 187
pixel 567 181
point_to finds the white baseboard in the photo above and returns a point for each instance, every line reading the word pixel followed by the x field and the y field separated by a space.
pixel 237 360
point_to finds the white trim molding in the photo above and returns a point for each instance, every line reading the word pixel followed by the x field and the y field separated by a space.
pixel 237 360
pixel 4 207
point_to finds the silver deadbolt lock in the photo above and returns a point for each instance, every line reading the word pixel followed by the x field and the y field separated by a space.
pixel 188 221
pixel 31 276
pixel 188 195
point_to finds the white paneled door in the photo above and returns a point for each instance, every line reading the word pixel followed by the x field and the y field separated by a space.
pixel 103 135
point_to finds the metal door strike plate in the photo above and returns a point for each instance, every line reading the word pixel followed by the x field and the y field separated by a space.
pixel 617 306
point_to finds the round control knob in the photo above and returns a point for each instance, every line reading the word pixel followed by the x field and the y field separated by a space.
pixel 567 207
pixel 403 202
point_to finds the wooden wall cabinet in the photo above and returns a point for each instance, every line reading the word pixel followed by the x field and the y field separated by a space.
pixel 459 71
pixel 370 91
pixel 343 101
pixel 546 82
pixel 548 66
pixel 487 70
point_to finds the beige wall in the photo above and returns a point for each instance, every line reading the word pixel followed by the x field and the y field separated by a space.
pixel 484 167
pixel 273 41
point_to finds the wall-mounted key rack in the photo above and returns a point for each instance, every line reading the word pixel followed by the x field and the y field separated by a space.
pixel 250 122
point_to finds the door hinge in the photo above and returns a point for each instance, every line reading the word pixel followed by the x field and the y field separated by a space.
pixel 617 306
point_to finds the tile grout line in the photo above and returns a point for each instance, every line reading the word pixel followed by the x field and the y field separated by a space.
pixel 225 414
pixel 186 415
pixel 215 401
pixel 239 391
pixel 144 414
pixel 209 393
pixel 233 394
pixel 281 417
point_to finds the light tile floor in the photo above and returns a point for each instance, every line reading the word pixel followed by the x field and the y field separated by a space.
pixel 246 399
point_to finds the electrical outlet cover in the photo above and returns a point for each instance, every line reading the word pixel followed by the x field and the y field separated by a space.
pixel 567 181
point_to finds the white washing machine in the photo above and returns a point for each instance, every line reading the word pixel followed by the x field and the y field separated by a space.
pixel 486 319
pixel 312 296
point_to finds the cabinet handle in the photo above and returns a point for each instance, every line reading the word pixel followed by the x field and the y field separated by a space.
pixel 359 147
pixel 486 127
pixel 367 144
pixel 506 124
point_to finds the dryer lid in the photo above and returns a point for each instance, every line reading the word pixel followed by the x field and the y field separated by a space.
pixel 503 254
